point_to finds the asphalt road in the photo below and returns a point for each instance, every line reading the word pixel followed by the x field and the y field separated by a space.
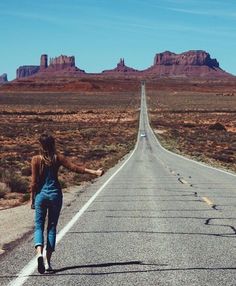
pixel 158 219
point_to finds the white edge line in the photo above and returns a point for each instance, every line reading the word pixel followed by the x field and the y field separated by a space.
pixel 191 160
pixel 24 274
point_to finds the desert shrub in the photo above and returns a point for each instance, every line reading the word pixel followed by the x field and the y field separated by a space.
pixel 62 183
pixel 37 119
pixel 13 196
pixel 175 133
pixel 25 197
pixel 2 193
pixel 16 183
pixel 96 154
pixel 223 158
pixel 228 152
pixel 77 179
pixel 3 190
pixel 26 171
pixel 88 133
pixel 3 170
pixel 113 148
pixel 217 126
pixel 189 125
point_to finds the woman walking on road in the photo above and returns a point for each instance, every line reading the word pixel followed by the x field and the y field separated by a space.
pixel 46 195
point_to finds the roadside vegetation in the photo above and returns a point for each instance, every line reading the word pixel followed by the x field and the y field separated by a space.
pixel 200 124
pixel 96 129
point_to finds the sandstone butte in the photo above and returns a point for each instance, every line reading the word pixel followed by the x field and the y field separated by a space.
pixel 191 64
pixel 121 68
pixel 3 78
pixel 187 64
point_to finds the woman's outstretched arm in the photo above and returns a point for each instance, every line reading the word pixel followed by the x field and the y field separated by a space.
pixel 78 168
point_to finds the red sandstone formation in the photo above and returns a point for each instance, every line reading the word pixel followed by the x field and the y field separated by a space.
pixel 191 58
pixel 3 78
pixel 62 62
pixel 167 64
pixel 121 68
pixel 25 71
pixel 43 62
pixel 58 64
pixel 191 63
pixel 62 65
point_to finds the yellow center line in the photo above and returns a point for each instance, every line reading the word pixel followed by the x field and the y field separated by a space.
pixel 208 201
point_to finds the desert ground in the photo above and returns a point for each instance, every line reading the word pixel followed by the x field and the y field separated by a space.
pixel 197 119
pixel 93 128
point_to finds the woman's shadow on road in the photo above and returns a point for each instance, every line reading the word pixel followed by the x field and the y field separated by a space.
pixel 104 265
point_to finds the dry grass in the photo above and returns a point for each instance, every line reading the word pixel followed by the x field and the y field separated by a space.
pixel 93 129
pixel 184 122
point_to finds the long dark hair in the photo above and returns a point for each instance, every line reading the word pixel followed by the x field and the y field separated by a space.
pixel 47 149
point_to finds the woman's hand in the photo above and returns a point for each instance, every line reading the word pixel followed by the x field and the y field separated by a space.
pixel 32 204
pixel 99 172
pixel 32 199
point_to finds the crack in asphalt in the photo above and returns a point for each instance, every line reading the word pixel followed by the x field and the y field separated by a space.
pixel 208 222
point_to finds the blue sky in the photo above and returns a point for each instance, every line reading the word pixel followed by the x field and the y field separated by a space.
pixel 99 32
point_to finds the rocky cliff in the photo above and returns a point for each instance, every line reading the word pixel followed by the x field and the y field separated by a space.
pixel 61 62
pixel 191 58
pixel 192 63
pixel 25 71
pixel 3 78
pixel 58 64
pixel 121 68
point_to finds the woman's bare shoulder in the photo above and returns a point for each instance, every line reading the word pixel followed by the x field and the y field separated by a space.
pixel 36 159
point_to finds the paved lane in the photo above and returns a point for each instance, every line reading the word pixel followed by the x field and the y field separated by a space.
pixel 161 220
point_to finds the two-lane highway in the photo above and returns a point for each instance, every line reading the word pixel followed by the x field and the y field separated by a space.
pixel 159 219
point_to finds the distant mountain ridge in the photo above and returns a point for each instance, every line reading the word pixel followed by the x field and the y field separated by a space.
pixel 194 63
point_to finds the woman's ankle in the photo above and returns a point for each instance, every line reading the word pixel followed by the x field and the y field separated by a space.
pixel 39 250
pixel 48 256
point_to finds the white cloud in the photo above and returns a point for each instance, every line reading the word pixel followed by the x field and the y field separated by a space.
pixel 30 16
pixel 209 12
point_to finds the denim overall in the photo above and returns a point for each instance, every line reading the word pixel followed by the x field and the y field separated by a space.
pixel 49 199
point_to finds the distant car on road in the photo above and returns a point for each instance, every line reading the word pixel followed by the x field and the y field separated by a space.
pixel 143 134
